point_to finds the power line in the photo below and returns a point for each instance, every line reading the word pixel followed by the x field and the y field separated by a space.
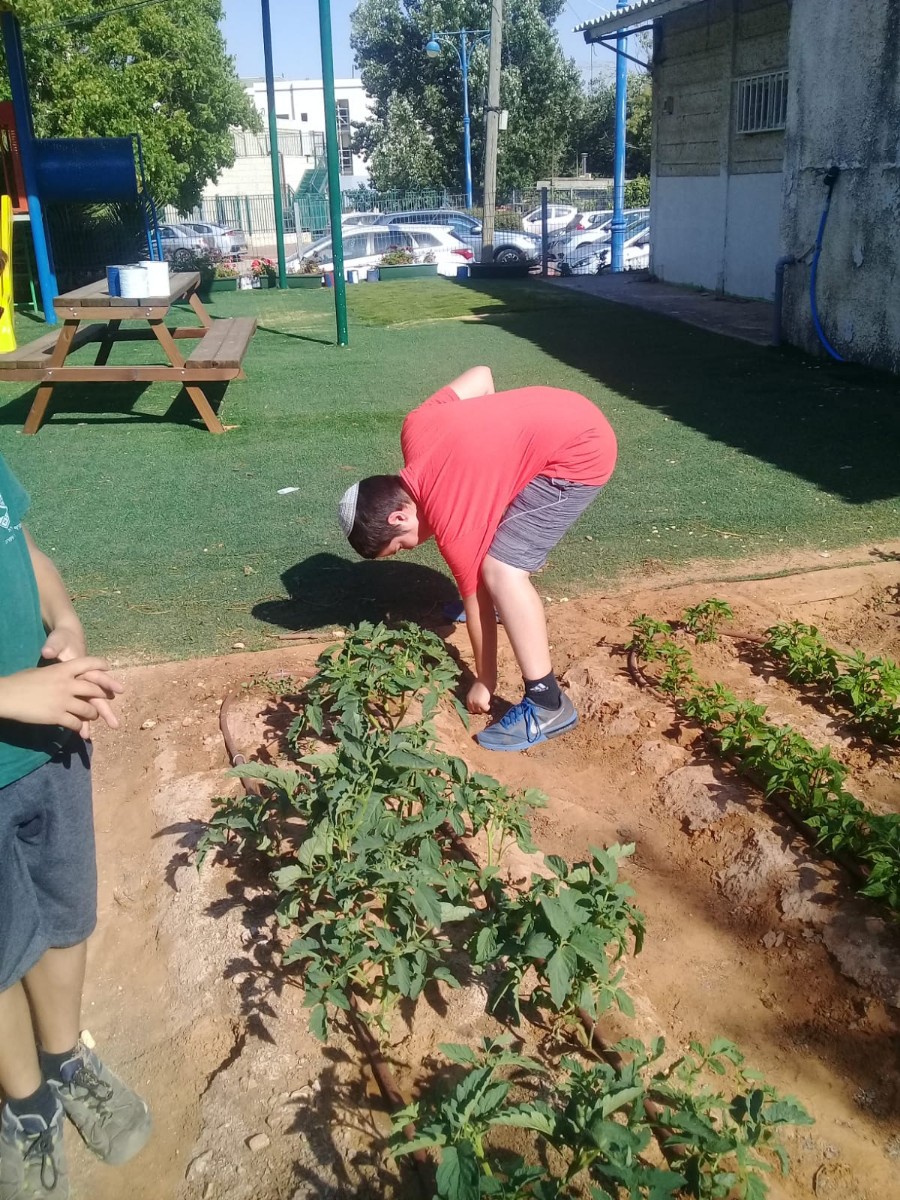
pixel 94 17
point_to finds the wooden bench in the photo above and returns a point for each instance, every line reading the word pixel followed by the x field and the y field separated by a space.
pixel 36 354
pixel 223 346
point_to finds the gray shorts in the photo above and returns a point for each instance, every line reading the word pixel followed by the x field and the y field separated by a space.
pixel 48 868
pixel 537 519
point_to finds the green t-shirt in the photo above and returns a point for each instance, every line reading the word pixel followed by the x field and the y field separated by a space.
pixel 23 748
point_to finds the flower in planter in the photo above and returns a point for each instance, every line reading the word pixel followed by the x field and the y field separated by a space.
pixel 397 256
pixel 225 270
pixel 430 257
pixel 263 268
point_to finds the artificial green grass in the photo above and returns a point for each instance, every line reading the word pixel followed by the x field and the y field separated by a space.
pixel 177 543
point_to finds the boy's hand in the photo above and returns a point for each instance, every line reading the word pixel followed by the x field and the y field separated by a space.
pixel 64 694
pixel 478 699
pixel 66 644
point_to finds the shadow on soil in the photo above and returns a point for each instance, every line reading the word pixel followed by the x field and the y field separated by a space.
pixel 835 426
pixel 327 590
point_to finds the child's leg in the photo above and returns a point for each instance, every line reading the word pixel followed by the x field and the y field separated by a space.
pixel 522 613
pixel 54 986
pixel 20 1072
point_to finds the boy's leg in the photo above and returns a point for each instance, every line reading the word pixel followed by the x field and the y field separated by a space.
pixel 20 1072
pixel 532 525
pixel 522 613
pixel 54 986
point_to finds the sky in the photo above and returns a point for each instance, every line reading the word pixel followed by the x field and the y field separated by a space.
pixel 295 37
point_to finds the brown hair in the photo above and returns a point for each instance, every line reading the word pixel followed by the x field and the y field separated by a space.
pixel 378 497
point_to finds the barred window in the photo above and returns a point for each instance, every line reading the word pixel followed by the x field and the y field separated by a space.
pixel 762 102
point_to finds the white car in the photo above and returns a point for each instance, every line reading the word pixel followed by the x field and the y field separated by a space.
pixel 227 240
pixel 364 247
pixel 559 216
pixel 369 218
pixel 564 245
pixel 592 259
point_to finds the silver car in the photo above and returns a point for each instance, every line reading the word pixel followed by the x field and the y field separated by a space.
pixel 510 245
pixel 228 241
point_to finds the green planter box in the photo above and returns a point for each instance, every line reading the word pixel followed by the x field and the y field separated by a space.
pixel 219 285
pixel 496 270
pixel 413 271
pixel 304 281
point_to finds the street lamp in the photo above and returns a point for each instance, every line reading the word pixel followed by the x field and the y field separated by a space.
pixel 463 47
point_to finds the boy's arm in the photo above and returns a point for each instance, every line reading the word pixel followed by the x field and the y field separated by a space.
pixel 481 622
pixel 65 638
pixel 477 381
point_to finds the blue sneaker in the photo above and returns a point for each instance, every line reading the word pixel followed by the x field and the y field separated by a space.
pixel 526 724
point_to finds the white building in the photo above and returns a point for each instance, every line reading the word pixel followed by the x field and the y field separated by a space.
pixel 300 110
pixel 300 105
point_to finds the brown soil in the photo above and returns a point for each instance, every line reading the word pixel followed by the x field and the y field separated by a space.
pixel 750 935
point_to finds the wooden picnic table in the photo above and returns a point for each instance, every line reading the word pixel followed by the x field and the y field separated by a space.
pixel 216 358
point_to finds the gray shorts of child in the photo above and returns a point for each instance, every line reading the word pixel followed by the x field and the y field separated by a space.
pixel 537 519
pixel 48 867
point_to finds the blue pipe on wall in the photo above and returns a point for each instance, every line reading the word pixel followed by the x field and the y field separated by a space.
pixel 831 176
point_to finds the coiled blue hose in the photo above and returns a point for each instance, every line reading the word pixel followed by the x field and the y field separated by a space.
pixel 830 180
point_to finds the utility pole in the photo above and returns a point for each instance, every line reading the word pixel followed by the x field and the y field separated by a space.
pixel 492 131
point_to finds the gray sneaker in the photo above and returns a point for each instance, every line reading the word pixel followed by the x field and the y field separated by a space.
pixel 112 1119
pixel 32 1157
pixel 527 724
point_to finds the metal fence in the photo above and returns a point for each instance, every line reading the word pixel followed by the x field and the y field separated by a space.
pixel 578 220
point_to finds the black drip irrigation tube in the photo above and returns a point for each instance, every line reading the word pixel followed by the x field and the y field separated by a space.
pixel 857 872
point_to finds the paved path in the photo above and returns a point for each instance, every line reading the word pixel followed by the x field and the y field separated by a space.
pixel 750 320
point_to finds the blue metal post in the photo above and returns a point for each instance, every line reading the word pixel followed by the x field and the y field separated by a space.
pixel 18 85
pixel 617 230
pixel 467 137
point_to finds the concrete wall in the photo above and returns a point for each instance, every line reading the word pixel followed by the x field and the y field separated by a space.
pixel 715 194
pixel 844 108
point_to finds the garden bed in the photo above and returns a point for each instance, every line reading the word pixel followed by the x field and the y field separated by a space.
pixel 749 933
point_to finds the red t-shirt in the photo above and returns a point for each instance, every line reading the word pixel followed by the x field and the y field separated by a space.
pixel 466 460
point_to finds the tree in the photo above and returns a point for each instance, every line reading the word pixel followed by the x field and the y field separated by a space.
pixel 596 135
pixel 402 155
pixel 540 89
pixel 160 70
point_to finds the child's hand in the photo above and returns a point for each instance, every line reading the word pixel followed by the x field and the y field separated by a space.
pixel 65 644
pixel 478 699
pixel 66 693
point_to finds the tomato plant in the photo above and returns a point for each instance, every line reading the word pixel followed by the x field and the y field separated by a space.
pixel 596 1119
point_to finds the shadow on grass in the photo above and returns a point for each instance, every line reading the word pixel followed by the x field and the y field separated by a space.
pixel 835 426
pixel 110 404
pixel 327 590
pixel 297 337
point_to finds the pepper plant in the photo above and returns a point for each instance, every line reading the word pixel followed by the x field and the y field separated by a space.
pixel 780 760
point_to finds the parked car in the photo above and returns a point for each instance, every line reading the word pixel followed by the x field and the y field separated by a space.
pixel 368 218
pixel 510 246
pixel 180 246
pixel 227 240
pixel 596 257
pixel 559 216
pixel 563 245
pixel 364 247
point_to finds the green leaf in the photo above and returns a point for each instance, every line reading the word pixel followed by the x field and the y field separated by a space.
pixel 454 912
pixel 463 1056
pixel 425 901
pixel 317 1022
pixel 457 1174
pixel 486 944
pixel 560 969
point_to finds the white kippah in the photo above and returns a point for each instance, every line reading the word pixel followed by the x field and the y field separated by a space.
pixel 347 508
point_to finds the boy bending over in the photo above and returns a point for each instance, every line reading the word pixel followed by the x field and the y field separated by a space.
pixel 496 478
